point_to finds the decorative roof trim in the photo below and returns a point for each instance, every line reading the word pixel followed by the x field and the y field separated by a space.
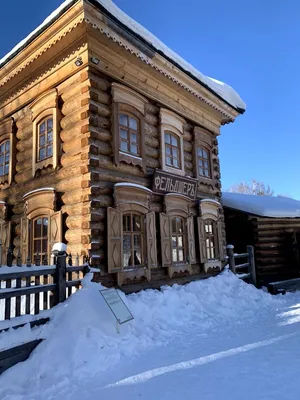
pixel 130 48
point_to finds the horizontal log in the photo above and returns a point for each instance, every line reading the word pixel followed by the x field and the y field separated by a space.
pixel 102 148
pixel 101 134
pixel 76 195
pixel 151 130
pixel 152 142
pixel 152 153
pixel 100 96
pixel 152 119
pixel 99 83
pixel 75 236
pixel 188 147
pixel 99 121
pixel 74 104
pixel 74 117
pixel 187 136
pixel 72 91
pixel 152 109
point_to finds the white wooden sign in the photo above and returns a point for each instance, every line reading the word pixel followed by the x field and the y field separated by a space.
pixel 116 305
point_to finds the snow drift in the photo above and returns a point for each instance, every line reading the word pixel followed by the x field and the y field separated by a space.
pixel 81 338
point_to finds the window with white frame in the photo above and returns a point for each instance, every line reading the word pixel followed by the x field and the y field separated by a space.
pixel 171 126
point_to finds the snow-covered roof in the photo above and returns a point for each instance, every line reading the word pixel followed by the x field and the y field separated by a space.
pixel 223 90
pixel 264 206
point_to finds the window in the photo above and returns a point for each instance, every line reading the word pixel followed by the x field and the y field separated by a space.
pixel 7 150
pixel 171 126
pixel 41 225
pixel 129 134
pixel 45 139
pixel 128 126
pixel 203 162
pixel 40 238
pixel 210 237
pixel 178 237
pixel 210 233
pixel 172 150
pixel 46 142
pixel 133 237
pixel 4 158
pixel 131 233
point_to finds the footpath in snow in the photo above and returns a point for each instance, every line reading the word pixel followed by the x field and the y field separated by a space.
pixel 215 339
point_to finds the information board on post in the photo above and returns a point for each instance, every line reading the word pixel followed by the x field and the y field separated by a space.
pixel 117 305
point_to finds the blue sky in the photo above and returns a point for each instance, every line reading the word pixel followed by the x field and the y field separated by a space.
pixel 253 46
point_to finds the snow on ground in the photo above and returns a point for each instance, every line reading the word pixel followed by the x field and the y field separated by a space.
pixel 265 206
pixel 214 339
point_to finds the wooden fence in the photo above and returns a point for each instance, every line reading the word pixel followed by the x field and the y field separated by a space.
pixel 30 289
pixel 246 269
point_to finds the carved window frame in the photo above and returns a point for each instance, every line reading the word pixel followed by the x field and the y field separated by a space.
pixel 171 123
pixel 44 107
pixel 40 203
pixel 209 210
pixel 5 231
pixel 176 205
pixel 204 140
pixel 7 133
pixel 127 101
pixel 131 199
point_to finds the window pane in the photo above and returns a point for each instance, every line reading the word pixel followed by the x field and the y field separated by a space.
pixel 124 134
pixel 206 173
pixel 174 225
pixel 2 148
pixel 124 146
pixel 7 145
pixel 175 163
pixel 123 120
pixel 45 227
pixel 42 140
pixel 174 255
pixel 127 223
pixel 42 127
pixel 38 227
pixel 180 241
pixel 212 250
pixel 1 170
pixel 6 169
pixel 174 141
pixel 1 160
pixel 174 242
pixel 37 246
pixel 133 138
pixel 200 152
pixel 42 154
pixel 6 156
pixel 136 221
pixel 205 155
pixel 49 151
pixel 168 150
pixel 168 138
pixel 50 137
pixel 201 162
pixel 133 124
pixel 45 246
pixel 169 161
pixel 50 124
pixel 201 171
pixel 134 149
pixel 126 250
pixel 180 255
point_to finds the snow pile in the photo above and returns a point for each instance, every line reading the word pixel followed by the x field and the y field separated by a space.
pixel 264 206
pixel 82 340
pixel 222 89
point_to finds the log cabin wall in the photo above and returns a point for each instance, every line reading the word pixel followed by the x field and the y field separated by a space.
pixel 83 72
pixel 276 242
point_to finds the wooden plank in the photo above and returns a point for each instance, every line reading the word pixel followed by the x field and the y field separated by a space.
pixel 8 294
pixel 7 301
pixel 14 275
pixel 33 324
pixel 242 265
pixel 11 357
pixel 241 255
pixel 75 269
pixel 37 296
pixel 18 299
pixel 70 284
pixel 27 298
pixel 45 295
pixel 289 285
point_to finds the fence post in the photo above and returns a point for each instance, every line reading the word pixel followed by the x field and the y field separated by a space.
pixel 230 254
pixel 9 259
pixel 0 253
pixel 252 270
pixel 60 277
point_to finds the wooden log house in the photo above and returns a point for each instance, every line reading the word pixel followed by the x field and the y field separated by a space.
pixel 272 226
pixel 109 144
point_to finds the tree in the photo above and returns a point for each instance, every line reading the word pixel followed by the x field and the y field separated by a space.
pixel 253 187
